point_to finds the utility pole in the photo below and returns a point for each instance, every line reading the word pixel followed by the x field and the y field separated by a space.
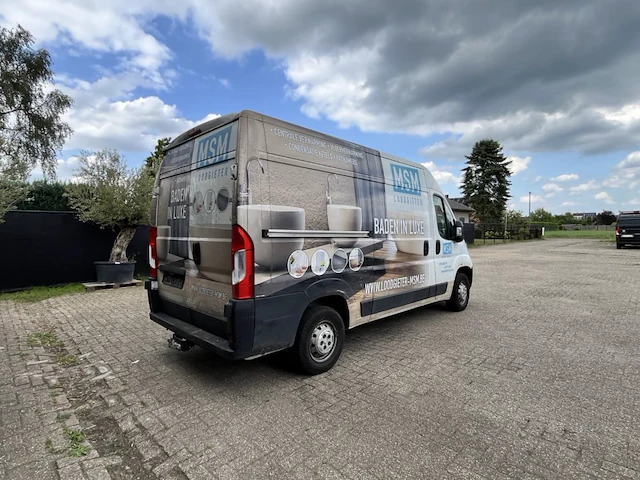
pixel 529 213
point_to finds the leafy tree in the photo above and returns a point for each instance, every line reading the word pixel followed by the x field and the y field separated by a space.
pixel 46 196
pixel 540 215
pixel 31 125
pixel 515 216
pixel 486 180
pixel 565 218
pixel 606 217
pixel 152 162
pixel 13 188
pixel 112 196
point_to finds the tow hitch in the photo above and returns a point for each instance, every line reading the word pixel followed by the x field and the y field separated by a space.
pixel 179 343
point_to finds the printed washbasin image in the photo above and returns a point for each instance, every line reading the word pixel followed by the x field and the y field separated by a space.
pixel 162 242
pixel 344 218
pixel 214 244
pixel 409 232
pixel 272 252
pixel 410 245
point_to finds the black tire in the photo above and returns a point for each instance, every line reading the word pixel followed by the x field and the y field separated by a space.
pixel 310 356
pixel 459 301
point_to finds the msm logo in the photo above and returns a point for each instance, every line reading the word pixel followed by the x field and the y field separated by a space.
pixel 213 147
pixel 406 179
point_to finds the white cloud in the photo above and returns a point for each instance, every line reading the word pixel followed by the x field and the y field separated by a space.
pixel 584 187
pixel 106 113
pixel 626 173
pixel 566 177
pixel 537 179
pixel 570 204
pixel 417 69
pixel 114 27
pixel 551 187
pixel 534 199
pixel 550 195
pixel 65 170
pixel 442 176
pixel 634 201
pixel 605 197
pixel 518 164
pixel 625 115
pixel 130 125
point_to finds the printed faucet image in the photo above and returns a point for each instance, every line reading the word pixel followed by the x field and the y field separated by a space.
pixel 342 217
pixel 266 236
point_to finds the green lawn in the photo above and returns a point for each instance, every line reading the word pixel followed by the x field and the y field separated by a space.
pixel 599 234
pixel 38 294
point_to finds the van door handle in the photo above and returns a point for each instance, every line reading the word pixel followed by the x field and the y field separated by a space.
pixel 196 253
pixel 437 247
pixel 426 248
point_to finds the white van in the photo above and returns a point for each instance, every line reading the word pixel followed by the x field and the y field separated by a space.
pixel 268 236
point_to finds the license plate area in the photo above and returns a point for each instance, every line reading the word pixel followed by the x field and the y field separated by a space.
pixel 173 280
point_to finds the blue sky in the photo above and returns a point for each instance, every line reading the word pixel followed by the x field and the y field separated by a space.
pixel 553 84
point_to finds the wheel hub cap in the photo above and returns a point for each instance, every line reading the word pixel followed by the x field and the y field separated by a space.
pixel 462 293
pixel 323 341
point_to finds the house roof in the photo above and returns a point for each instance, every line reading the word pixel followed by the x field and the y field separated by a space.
pixel 459 206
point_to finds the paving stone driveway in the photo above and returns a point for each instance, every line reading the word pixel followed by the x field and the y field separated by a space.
pixel 538 378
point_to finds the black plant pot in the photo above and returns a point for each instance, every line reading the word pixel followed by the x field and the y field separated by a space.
pixel 110 272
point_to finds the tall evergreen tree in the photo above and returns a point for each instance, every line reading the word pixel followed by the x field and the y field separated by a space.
pixel 486 181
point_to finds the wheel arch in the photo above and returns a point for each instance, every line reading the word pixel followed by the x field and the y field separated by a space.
pixel 336 302
pixel 468 271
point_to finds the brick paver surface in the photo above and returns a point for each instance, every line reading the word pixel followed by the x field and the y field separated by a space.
pixel 538 378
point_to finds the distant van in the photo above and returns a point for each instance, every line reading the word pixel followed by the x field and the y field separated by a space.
pixel 267 236
pixel 628 229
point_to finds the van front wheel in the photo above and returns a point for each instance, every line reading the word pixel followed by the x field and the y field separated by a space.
pixel 319 340
pixel 460 295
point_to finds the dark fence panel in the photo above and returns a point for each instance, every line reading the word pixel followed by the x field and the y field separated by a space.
pixel 498 232
pixel 50 248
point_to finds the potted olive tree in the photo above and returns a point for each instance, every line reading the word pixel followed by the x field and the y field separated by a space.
pixel 113 196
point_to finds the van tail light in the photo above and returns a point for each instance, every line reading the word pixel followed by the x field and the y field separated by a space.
pixel 618 230
pixel 153 253
pixel 242 277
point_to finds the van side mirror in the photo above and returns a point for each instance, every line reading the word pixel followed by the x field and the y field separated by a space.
pixel 459 232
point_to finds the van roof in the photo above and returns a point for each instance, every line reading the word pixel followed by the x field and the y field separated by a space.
pixel 209 125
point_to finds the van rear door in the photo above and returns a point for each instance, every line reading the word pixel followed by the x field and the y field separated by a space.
pixel 194 218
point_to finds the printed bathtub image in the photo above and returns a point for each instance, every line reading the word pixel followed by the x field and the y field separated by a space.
pixel 320 262
pixel 298 264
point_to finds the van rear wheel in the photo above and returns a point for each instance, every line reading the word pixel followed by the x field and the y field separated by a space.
pixel 460 295
pixel 319 340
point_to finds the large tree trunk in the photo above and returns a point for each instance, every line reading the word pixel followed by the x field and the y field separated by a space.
pixel 119 249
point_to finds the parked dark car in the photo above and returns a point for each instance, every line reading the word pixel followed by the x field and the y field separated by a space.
pixel 628 229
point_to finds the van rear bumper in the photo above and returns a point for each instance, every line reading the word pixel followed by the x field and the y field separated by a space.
pixel 634 240
pixel 195 335
pixel 252 328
